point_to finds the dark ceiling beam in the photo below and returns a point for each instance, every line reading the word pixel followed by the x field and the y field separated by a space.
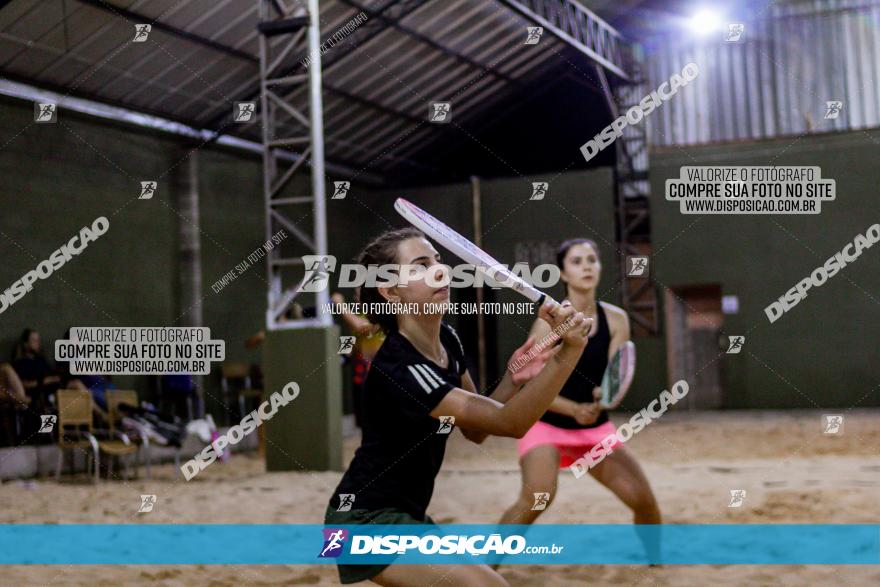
pixel 431 42
pixel 371 29
pixel 284 26
pixel 333 164
pixel 220 119
pixel 370 104
pixel 138 18
pixel 278 7
pixel 378 14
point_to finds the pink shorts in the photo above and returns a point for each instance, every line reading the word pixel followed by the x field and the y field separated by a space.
pixel 571 443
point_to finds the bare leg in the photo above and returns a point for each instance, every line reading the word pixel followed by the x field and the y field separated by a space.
pixel 540 469
pixel 10 382
pixel 452 575
pixel 621 473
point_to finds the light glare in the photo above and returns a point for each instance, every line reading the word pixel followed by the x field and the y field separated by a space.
pixel 705 22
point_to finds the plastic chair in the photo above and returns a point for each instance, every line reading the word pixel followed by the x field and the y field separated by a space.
pixel 75 427
pixel 116 397
pixel 238 372
pixel 75 431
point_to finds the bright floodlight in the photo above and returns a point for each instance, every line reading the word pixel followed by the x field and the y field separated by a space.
pixel 704 22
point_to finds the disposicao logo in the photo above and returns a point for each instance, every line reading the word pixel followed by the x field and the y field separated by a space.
pixel 334 541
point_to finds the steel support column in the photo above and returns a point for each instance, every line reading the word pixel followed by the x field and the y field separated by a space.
pixel 286 27
pixel 632 196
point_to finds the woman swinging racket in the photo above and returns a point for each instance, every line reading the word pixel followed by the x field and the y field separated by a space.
pixel 417 382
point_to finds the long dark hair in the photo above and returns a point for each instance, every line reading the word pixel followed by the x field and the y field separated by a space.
pixel 20 350
pixel 382 250
pixel 562 251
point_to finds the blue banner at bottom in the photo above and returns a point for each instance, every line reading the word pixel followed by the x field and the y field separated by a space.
pixel 545 544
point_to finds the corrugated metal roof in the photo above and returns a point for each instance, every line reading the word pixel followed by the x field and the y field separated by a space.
pixel 376 95
pixel 793 60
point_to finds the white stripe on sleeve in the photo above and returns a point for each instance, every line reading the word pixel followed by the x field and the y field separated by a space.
pixel 421 381
pixel 430 375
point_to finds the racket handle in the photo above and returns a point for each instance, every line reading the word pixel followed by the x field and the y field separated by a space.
pixel 532 293
pixel 542 299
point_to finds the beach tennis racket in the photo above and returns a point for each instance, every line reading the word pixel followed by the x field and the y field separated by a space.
pixel 467 250
pixel 618 376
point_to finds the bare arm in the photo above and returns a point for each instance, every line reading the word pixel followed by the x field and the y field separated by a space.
pixel 473 435
pixel 540 330
pixel 358 325
pixel 620 331
pixel 587 413
pixel 484 414
pixel 524 364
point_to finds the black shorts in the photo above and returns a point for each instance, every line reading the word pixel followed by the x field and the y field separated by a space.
pixel 355 573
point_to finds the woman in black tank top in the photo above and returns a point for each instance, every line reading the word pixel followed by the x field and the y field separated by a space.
pixel 575 415
pixel 586 376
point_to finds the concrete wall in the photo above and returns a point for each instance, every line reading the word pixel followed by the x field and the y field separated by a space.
pixel 58 178
pixel 821 354
pixel 824 351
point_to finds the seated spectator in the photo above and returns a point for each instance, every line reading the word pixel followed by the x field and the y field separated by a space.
pixel 181 387
pixel 96 384
pixel 29 362
pixel 38 379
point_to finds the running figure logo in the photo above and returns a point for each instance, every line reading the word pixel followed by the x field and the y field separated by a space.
pixel 141 32
pixel 318 268
pixel 346 344
pixel 45 113
pixel 340 189
pixel 833 424
pixel 535 33
pixel 541 501
pixel 737 497
pixel 735 32
pixel 47 423
pixel 736 344
pixel 147 503
pixel 346 500
pixel 148 188
pixel 244 111
pixel 636 266
pixel 832 109
pixel 446 424
pixel 440 112
pixel 334 538
pixel 539 190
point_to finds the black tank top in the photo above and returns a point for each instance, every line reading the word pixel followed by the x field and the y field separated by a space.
pixel 586 375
